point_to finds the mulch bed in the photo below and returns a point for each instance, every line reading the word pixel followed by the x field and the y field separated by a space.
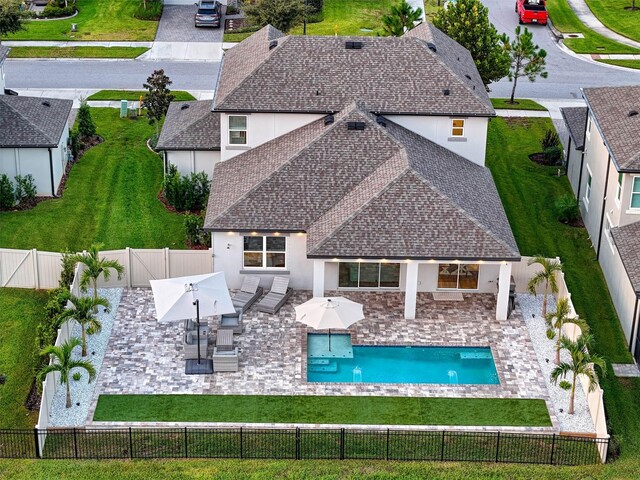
pixel 33 399
pixel 540 159
pixel 579 223
pixel 232 24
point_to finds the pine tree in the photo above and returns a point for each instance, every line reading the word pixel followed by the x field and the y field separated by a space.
pixel 527 58
pixel 86 127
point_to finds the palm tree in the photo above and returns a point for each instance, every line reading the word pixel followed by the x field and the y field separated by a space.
pixel 547 276
pixel 580 364
pixel 96 266
pixel 556 320
pixel 401 18
pixel 64 364
pixel 83 311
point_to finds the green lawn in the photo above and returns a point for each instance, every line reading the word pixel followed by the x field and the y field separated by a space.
pixel 97 20
pixel 520 104
pixel 20 310
pixel 566 21
pixel 613 15
pixel 320 409
pixel 76 52
pixel 134 95
pixel 623 63
pixel 111 197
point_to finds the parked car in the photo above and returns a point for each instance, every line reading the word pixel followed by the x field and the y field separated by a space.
pixel 209 14
pixel 532 11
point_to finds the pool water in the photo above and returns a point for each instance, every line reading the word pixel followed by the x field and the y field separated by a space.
pixel 397 364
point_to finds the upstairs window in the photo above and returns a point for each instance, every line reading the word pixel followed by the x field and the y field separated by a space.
pixel 635 193
pixel 457 127
pixel 619 188
pixel 237 129
pixel 587 192
pixel 264 252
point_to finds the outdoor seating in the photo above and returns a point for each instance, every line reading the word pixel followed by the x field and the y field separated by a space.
pixel 250 291
pixel 224 340
pixel 191 345
pixel 277 296
pixel 232 321
pixel 225 361
pixel 190 325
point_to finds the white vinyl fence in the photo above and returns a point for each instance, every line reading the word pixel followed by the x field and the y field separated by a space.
pixel 29 268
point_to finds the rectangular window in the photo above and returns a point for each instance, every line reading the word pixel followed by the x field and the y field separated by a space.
pixel 607 229
pixel 457 127
pixel 635 193
pixel 587 192
pixel 237 129
pixel 588 128
pixel 368 275
pixel 619 188
pixel 458 277
pixel 264 252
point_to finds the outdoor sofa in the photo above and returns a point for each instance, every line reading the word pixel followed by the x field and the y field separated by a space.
pixel 191 344
pixel 250 291
pixel 277 296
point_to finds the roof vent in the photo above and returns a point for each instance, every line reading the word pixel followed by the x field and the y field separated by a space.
pixel 632 113
pixel 328 120
pixel 432 46
pixel 468 76
pixel 380 120
pixel 46 103
pixel 355 125
pixel 446 92
pixel 273 44
pixel 353 45
pixel 184 107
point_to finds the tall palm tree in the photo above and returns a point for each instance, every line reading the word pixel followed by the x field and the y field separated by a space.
pixel 580 364
pixel 547 276
pixel 83 311
pixel 401 18
pixel 556 320
pixel 64 364
pixel 96 266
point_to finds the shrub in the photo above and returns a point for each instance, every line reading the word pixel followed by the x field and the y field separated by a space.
pixel 550 139
pixel 25 192
pixel 47 328
pixel 232 10
pixel 52 10
pixel 196 236
pixel 567 209
pixel 86 127
pixel 553 155
pixel 153 10
pixel 7 195
pixel 188 192
pixel 565 385
pixel 74 140
pixel 68 269
pixel 315 6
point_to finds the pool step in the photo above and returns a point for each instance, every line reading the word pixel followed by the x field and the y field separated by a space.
pixel 476 356
pixel 319 361
pixel 331 367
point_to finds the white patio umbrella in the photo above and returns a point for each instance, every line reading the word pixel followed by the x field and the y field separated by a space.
pixel 329 312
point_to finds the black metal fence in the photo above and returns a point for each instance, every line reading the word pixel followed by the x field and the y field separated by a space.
pixel 301 444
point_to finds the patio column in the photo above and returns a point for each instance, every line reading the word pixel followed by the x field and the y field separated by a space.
pixel 411 290
pixel 504 282
pixel 318 278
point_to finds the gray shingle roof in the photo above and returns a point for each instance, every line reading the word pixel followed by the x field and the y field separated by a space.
pixel 318 74
pixel 195 127
pixel 576 120
pixel 377 192
pixel 30 122
pixel 611 107
pixel 627 240
pixel 4 53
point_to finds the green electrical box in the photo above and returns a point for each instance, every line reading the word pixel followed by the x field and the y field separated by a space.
pixel 124 108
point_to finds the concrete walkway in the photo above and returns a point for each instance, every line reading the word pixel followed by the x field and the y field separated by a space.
pixel 586 16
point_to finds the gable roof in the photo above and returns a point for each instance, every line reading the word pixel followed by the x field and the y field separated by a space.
pixel 32 122
pixel 612 108
pixel 576 120
pixel 627 240
pixel 380 192
pixel 190 126
pixel 273 72
pixel 4 53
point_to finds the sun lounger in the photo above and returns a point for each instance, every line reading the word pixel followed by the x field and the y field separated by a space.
pixel 277 296
pixel 224 340
pixel 225 361
pixel 250 291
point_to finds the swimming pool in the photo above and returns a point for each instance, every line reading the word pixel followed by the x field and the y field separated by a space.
pixel 345 363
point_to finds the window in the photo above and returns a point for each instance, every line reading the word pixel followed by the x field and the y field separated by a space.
pixel 368 275
pixel 264 252
pixel 619 188
pixel 607 229
pixel 457 127
pixel 459 277
pixel 588 128
pixel 587 192
pixel 635 193
pixel 237 129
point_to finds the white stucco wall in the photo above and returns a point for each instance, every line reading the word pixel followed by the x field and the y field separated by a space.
pixel 627 214
pixel 573 169
pixel 34 161
pixel 191 161
pixel 472 146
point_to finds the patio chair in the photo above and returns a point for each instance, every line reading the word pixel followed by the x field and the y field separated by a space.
pixel 250 291
pixel 277 296
pixel 232 321
pixel 190 325
pixel 191 345
pixel 225 361
pixel 224 340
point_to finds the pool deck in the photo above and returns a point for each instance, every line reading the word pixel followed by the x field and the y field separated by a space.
pixel 145 357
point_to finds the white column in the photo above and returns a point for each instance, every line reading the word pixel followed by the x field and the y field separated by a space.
pixel 411 290
pixel 318 278
pixel 504 282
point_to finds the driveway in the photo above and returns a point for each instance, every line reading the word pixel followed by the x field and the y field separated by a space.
pixel 177 25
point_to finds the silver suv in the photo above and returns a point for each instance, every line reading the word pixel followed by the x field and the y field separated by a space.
pixel 209 14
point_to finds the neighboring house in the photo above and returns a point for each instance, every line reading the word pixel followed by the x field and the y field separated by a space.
pixel 605 174
pixel 34 133
pixel 4 53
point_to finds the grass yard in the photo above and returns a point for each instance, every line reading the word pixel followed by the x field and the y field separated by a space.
pixel 520 104
pixel 566 21
pixel 612 14
pixel 98 20
pixel 20 310
pixel 76 52
pixel 134 95
pixel 111 197
pixel 319 409
pixel 622 63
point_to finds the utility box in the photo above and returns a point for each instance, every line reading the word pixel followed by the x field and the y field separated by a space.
pixel 124 108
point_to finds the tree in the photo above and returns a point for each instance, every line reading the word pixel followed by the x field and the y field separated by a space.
pixel 158 97
pixel 86 127
pixel 527 58
pixel 282 14
pixel 94 266
pixel 401 18
pixel 64 364
pixel 467 22
pixel 580 364
pixel 83 311
pixel 547 276
pixel 558 319
pixel 10 18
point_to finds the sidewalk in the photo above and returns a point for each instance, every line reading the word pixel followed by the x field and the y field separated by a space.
pixel 586 16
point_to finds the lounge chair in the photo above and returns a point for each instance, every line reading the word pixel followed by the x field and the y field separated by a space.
pixel 225 361
pixel 224 340
pixel 250 291
pixel 277 296
pixel 191 345
pixel 232 320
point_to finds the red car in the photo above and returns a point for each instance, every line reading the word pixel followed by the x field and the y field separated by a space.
pixel 532 11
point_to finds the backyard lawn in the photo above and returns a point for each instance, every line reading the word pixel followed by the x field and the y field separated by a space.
pixel 98 20
pixel 134 95
pixel 76 52
pixel 355 17
pixel 613 14
pixel 20 310
pixel 520 104
pixel 111 198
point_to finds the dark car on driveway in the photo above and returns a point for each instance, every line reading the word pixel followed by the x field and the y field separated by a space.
pixel 209 14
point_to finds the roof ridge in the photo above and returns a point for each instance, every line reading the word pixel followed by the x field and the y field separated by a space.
pixel 36 127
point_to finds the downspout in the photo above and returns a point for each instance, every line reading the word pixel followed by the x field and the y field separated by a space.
pixel 580 176
pixel 604 205
pixel 53 188
pixel 634 322
pixel 584 145
pixel 568 156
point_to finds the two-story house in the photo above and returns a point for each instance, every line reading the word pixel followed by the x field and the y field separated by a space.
pixel 604 171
